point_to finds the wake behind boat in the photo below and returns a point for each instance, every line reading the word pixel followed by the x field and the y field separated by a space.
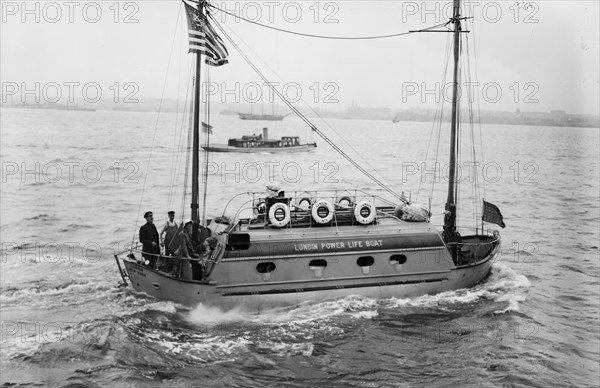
pixel 283 247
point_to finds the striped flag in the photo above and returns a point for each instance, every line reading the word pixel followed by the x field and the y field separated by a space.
pixel 206 128
pixel 203 38
pixel 492 214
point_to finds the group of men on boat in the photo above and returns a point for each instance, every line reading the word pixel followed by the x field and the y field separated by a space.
pixel 178 246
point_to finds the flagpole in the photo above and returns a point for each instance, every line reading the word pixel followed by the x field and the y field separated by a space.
pixel 482 210
pixel 196 140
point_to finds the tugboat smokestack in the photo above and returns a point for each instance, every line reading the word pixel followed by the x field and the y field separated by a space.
pixel 265 133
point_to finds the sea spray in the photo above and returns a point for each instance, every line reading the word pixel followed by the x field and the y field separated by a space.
pixel 503 285
pixel 207 315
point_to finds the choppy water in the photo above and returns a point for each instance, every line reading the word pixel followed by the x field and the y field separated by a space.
pixel 533 322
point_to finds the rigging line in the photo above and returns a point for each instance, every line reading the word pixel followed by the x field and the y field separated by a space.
pixel 182 138
pixel 188 154
pixel 307 121
pixel 465 74
pixel 171 194
pixel 302 117
pixel 186 141
pixel 177 148
pixel 439 107
pixel 479 120
pixel 324 36
pixel 459 137
pixel 439 120
pixel 206 153
pixel 310 108
pixel 156 124
pixel 474 185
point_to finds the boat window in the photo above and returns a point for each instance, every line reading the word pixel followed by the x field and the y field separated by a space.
pixel 238 241
pixel 398 259
pixel 365 261
pixel 318 263
pixel 265 267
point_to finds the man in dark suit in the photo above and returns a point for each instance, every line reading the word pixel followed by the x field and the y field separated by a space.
pixel 149 240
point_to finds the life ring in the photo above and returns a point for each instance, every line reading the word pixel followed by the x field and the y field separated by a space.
pixel 261 207
pixel 322 211
pixel 304 199
pixel 279 214
pixel 347 199
pixel 361 215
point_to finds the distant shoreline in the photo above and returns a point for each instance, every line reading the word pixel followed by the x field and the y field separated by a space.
pixel 559 119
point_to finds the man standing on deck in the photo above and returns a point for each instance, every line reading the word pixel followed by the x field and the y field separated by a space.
pixel 149 240
pixel 168 232
pixel 185 252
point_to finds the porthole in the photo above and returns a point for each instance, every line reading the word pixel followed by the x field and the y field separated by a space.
pixel 317 266
pixel 397 259
pixel 265 267
pixel 318 263
pixel 365 261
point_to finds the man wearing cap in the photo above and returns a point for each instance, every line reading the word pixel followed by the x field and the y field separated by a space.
pixel 149 239
pixel 275 195
pixel 168 232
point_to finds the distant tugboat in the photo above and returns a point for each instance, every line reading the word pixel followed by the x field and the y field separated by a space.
pixel 262 143
pixel 74 107
pixel 251 116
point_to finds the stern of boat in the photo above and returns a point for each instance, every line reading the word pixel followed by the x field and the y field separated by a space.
pixel 188 286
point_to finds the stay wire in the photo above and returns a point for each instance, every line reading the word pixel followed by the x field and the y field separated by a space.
pixel 302 117
pixel 156 125
pixel 433 136
pixel 358 155
pixel 326 36
pixel 207 142
pixel 174 157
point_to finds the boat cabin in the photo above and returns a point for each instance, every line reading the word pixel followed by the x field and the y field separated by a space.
pixel 253 141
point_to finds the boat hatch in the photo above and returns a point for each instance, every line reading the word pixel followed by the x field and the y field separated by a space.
pixel 238 241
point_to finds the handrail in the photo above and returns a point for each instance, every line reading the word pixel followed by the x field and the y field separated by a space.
pixel 329 194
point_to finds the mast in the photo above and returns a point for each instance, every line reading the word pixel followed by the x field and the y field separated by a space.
pixel 450 218
pixel 196 137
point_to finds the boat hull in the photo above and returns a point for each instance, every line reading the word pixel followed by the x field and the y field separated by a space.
pixel 164 287
pixel 226 148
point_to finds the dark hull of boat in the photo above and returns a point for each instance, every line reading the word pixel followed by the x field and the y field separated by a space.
pixel 296 277
pixel 189 293
pixel 226 148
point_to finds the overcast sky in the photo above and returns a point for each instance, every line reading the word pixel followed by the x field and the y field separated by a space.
pixel 539 55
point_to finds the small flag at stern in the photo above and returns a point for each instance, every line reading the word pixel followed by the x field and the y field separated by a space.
pixel 492 214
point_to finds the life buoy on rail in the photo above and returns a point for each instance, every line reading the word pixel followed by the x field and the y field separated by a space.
pixel 322 211
pixel 348 201
pixel 364 212
pixel 306 200
pixel 279 214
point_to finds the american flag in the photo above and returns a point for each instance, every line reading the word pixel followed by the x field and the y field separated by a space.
pixel 203 38
pixel 492 214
